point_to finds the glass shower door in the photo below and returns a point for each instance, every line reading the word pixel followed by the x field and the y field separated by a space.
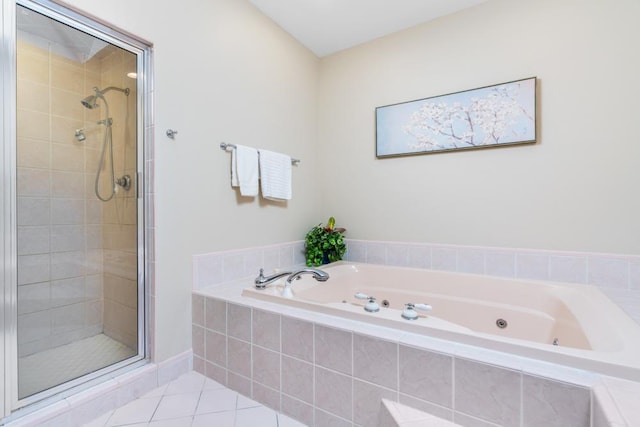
pixel 77 203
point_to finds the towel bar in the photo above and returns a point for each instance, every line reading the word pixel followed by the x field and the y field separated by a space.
pixel 224 146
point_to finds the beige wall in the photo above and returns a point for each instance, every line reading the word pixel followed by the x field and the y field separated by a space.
pixel 224 72
pixel 573 190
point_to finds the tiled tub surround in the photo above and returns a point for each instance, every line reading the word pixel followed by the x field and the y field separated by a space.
pixel 321 369
pixel 592 333
pixel 618 276
pixel 220 267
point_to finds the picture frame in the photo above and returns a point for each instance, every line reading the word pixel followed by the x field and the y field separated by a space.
pixel 491 116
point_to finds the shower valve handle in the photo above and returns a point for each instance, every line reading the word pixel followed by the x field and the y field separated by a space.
pixel 124 182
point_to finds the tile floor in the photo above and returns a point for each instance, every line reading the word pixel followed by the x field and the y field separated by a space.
pixel 193 401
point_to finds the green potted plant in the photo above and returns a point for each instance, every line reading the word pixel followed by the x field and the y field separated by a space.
pixel 324 244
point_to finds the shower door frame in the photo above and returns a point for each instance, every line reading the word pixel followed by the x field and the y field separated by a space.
pixel 8 250
pixel 9 401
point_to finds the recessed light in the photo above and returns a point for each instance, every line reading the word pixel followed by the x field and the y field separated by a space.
pixel 132 75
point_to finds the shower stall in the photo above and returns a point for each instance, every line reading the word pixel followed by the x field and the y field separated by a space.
pixel 73 293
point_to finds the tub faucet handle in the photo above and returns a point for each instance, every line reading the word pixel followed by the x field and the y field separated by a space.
pixel 410 312
pixel 262 281
pixel 422 307
pixel 371 306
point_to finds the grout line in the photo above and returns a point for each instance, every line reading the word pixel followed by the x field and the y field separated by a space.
pixel 251 354
pixel 521 398
pixel 313 373
pixel 453 386
pixel 157 405
pixel 353 370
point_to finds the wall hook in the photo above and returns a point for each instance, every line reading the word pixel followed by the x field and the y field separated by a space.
pixel 172 133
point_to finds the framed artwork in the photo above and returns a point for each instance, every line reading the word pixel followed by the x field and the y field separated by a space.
pixel 498 115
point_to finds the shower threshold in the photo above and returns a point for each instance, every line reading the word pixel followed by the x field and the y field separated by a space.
pixel 49 368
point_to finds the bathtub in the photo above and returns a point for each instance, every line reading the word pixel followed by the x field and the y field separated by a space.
pixel 572 325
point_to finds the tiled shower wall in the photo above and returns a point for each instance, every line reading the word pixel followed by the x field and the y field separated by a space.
pixel 65 234
pixel 119 214
pixel 59 222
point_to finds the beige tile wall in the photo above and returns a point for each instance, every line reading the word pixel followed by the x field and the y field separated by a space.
pixel 59 266
pixel 119 232
pixel 71 245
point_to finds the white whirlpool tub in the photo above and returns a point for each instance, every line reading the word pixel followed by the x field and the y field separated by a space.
pixel 572 325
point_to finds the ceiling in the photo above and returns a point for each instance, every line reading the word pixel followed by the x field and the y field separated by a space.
pixel 46 33
pixel 328 26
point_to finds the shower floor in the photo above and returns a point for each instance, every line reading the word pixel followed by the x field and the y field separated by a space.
pixel 41 371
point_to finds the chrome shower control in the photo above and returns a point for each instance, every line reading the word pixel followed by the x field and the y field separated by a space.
pixel 124 182
pixel 80 136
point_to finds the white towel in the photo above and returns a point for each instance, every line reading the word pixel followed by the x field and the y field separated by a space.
pixel 275 175
pixel 244 170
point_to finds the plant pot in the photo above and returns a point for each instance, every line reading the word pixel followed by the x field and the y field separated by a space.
pixel 325 258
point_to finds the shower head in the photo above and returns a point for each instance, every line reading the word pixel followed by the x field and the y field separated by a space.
pixel 91 101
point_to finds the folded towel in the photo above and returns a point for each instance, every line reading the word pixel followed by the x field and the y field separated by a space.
pixel 275 175
pixel 244 170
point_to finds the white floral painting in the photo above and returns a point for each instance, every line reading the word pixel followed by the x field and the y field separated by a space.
pixel 490 116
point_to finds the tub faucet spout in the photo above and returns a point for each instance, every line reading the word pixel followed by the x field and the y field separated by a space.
pixel 319 275
pixel 262 281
